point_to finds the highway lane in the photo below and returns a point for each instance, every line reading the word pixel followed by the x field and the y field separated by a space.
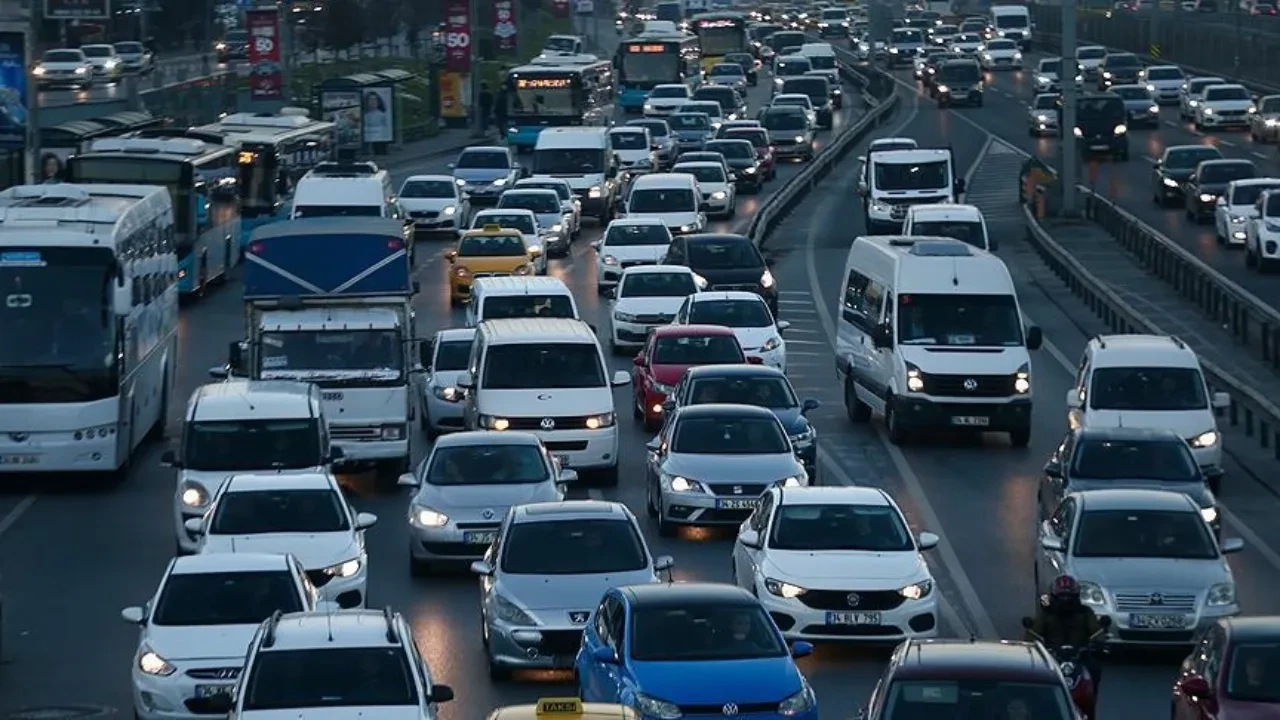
pixel 168 69
pixel 74 556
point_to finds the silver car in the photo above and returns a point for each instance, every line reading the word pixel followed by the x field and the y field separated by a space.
pixel 547 570
pixel 1042 116
pixel 570 205
pixel 545 205
pixel 445 360
pixel 1144 558
pixel 465 487
pixel 664 142
pixel 710 464
pixel 1140 107
pixel 1264 125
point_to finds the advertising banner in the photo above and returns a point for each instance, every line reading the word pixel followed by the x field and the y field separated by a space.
pixel 457 36
pixel 378 119
pixel 13 91
pixel 452 102
pixel 77 9
pixel 266 74
pixel 343 109
pixel 504 24
pixel 560 8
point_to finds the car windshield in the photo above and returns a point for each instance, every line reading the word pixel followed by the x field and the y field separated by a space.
pixel 1158 460
pixel 1226 93
pixel 961 72
pixel 541 202
pixel 727 70
pixel 672 200
pixel 1152 389
pixel 713 174
pixel 532 366
pixel 225 598
pixel 710 108
pixel 1188 158
pixel 573 547
pixel 670 91
pixel 484 160
pixel 428 189
pixel 491 246
pixel 724 254
pixel 906 36
pixel 970 232
pixel 452 355
pixel 742 60
pixel 1001 45
pixel 1164 534
pixel 693 632
pixel 792 67
pixel 129 48
pixel 1219 173
pixel 1254 672
pixel 733 149
pixel 767 391
pixel 912 176
pixel 1196 87
pixel 1249 194
pixel 1164 74
pixel 637 235
pixel 865 528
pixel 813 87
pixel 628 141
pixel 1132 93
pixel 224 445
pixel 657 284
pixel 521 222
pixel 98 51
pixel 1122 62
pixel 723 97
pixel 957 320
pixel 697 350
pixel 355 677
pixel 968 39
pixel 489 464
pixel 1050 67
pixel 1093 53
pixel 784 120
pixel 729 435
pixel 731 313
pixel 258 512
pixel 568 161
pixel 793 100
pixel 539 305
pixel 977 699
pixel 1099 108
pixel 237 36
pixel 689 121
pixel 561 190
pixel 757 138
pixel 823 62
pixel 63 56
pixel 657 128
pixel 1270 105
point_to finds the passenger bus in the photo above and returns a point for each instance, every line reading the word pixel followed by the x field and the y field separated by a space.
pixel 720 34
pixel 549 95
pixel 654 59
pixel 273 153
pixel 90 318
pixel 201 179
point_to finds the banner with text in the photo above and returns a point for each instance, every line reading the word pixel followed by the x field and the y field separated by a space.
pixel 266 75
pixel 457 36
pixel 13 90
pixel 77 9
pixel 504 24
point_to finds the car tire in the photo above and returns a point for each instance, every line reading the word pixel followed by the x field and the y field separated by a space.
pixel 637 410
pixel 650 504
pixel 898 435
pixel 858 411
pixel 665 528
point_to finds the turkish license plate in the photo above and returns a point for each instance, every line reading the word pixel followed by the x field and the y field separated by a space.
pixel 853 618
pixel 479 538
pixel 19 459
pixel 208 691
pixel 970 421
pixel 1157 622
pixel 1103 146
pixel 1002 61
pixel 563 460
pixel 737 503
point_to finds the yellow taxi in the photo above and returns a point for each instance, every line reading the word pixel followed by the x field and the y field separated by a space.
pixel 564 709
pixel 492 250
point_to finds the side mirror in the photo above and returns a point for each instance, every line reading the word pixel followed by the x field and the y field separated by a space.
pixel 1221 401
pixel 481 567
pixel 639 360
pixel 451 256
pixel 927 541
pixel 441 694
pixel 408 480
pixel 751 539
pixel 195 526
pixel 465 381
pixel 801 649
pixel 567 477
pixel 365 520
pixel 1232 545
pixel 1073 399
pixel 597 244
pixel 653 446
pixel 611 293
pixel 169 459
pixel 1028 623
pixel 1035 337
pixel 782 325
pixel 809 405
pixel 621 377
pixel 219 372
pixel 1053 469
pixel 1052 544
pixel 882 337
pixel 1194 686
pixel 668 406
pixel 664 563
pixel 960 186
pixel 605 655
pixel 134 615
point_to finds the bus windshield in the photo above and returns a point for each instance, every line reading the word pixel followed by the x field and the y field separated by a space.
pixel 721 37
pixel 543 96
pixel 319 353
pixel 647 65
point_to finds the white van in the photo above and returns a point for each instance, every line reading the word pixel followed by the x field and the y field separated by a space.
pixel 1012 22
pixel 583 156
pixel 822 58
pixel 499 298
pixel 548 377
pixel 930 336
pixel 564 45
pixel 345 190
pixel 898 179
pixel 961 222
pixel 673 198
pixel 244 426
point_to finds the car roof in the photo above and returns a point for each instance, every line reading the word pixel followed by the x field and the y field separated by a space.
pixel 204 563
pixel 954 659
pixel 1141 351
pixel 266 482
pixel 716 237
pixel 475 149
pixel 455 334
pixel 1103 434
pixel 687 594
pixel 663 180
pixel 568 510
pixel 428 178
pixel 547 330
pixel 472 438
pixel 656 269
pixel 720 410
pixel 631 221
pixel 252 399
pixel 1134 499
pixel 736 370
pixel 698 165
pixel 832 494
pixel 723 295
pixel 692 331
pixel 490 212
pixel 340 629
pixel 516 191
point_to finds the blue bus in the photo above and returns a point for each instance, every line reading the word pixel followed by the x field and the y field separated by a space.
pixel 566 90
pixel 654 59
pixel 201 180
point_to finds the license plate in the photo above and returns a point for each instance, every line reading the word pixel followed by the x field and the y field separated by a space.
pixel 479 538
pixel 737 504
pixel 208 691
pixel 19 459
pixel 853 618
pixel 1099 147
pixel 1158 622
pixel 563 460
pixel 970 421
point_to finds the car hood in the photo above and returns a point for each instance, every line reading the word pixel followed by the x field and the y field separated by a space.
pixel 546 594
pixel 631 253
pixel 962 361
pixel 1215 188
pixel 1197 490
pixel 539 403
pixel 381 712
pixel 665 102
pixel 792 420
pixel 476 175
pixel 650 305
pixel 786 137
pixel 1088 64
pixel 1138 104
pixel 708 188
pixel 1228 104
pixel 845 570
pixel 1002 53
pixel 741 163
pixel 426 204
pixel 1186 423
pixel 1165 84
pixel 1049 76
pixel 631 156
pixel 754 338
pixel 673 220
pixel 315 551
pixel 204 642
pixel 730 276
pixel 60 65
pixel 99 62
pixel 752 469
pixel 712 682
pixel 693 133
pixel 1148 575
pixel 495 497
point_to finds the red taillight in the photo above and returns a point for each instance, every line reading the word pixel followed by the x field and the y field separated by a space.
pixel 256 248
pixel 394 245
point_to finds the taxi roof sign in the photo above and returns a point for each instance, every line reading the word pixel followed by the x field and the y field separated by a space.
pixel 492 228
pixel 559 706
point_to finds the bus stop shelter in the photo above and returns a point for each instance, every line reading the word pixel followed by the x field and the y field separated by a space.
pixel 366 108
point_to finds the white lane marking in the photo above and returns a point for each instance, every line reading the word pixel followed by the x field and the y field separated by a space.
pixel 1150 159
pixel 982 152
pixel 807 342
pixel 18 510
pixel 1226 143
pixel 802 353
pixel 1172 124
pixel 800 293
pixel 796 302
pixel 800 331
pixel 1260 156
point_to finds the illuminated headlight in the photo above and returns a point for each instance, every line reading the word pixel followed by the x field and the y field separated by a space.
pixel 1221 594
pixel 625 317
pixel 1193 103
pixel 1042 117
pixel 916 591
pixel 783 589
pixel 603 420
pixel 689 228
pixel 448 211
pixel 1151 88
pixel 489 422
pixel 799 138
pixel 427 517
pixel 556 228
pixel 661 388
pixel 1017 56
pixel 766 280
pixel 864 47
pixel 462 272
pixel 1252 110
pixel 1022 380
pixel 609 260
pixel 1154 109
pixel 221 46
pixel 595 191
pixel 448 394
pixel 804 438
pixel 1170 182
pixel 100 431
pixel 680 484
pixel 1208 111
pixel 460 182
pixel 944 89
pixel 1271 122
pixel 1121 129
pixel 1092 594
pixel 1207 198
pixel 1077 132
pixel 1209 514
pixel 915 380
pixel 802 702
pixel 771 344
pixel 1205 439
pixel 648 107
pixel 82 71
pixel 1236 219
pixel 392 432
pixel 41 71
pixel 893 50
pixel 152 664
pixel 719 195
pixel 1106 75
pixel 193 495
pixel 986 56
pixel 524 270
pixel 500 182
pixel 344 569
pixel 749 171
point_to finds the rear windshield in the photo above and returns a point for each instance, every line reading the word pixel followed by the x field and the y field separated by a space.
pixel 1091 108
pixel 1226 172
pixel 63 56
pixel 1122 61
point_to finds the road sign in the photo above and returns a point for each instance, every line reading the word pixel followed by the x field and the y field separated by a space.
pixel 77 9
pixel 585 7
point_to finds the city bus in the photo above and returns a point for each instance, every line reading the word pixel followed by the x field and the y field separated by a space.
pixel 654 59
pixel 201 179
pixel 90 318
pixel 545 95
pixel 720 34
pixel 273 153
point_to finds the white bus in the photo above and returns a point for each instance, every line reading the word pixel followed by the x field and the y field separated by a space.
pixel 88 278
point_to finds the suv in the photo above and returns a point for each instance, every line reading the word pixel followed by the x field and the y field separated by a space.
pixel 958 81
pixel 1100 125
pixel 1119 69
pixel 363 661
pixel 963 678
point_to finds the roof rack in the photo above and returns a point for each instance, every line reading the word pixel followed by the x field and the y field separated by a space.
pixel 269 631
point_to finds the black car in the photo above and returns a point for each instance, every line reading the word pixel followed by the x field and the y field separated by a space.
pixel 1125 458
pixel 1100 125
pixel 1118 69
pixel 748 64
pixel 732 105
pixel 1175 167
pixel 958 82
pixel 758 385
pixel 727 261
pixel 742 159
pixel 818 89
pixel 1209 181
pixel 235 46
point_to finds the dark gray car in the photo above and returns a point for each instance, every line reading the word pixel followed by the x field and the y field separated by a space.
pixel 1175 168
pixel 1139 105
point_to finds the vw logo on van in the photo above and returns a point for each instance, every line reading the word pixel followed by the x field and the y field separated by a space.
pixel 547 424
pixel 970 384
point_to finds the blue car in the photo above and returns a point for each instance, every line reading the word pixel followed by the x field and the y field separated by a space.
pixel 671 650
pixel 484 172
pixel 692 130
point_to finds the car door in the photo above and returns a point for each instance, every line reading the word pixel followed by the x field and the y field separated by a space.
pixel 655 458
pixel 1052 563
pixel 853 331
pixel 642 372
pixel 1053 488
pixel 747 559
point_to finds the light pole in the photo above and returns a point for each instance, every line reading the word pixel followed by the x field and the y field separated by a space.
pixel 1067 176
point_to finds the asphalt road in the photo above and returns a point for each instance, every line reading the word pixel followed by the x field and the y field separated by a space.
pixel 72 557
pixel 171 69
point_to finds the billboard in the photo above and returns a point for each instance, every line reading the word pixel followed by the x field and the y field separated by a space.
pixel 504 24
pixel 266 74
pixel 457 36
pixel 77 9
pixel 13 90
pixel 343 109
pixel 377 119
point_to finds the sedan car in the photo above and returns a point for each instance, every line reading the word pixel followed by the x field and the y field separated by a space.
pixel 730 74
pixel 521 220
pixel 664 648
pixel 107 65
pixel 1118 69
pixel 1163 81
pixel 1224 106
pixel 136 57
pixel 1192 93
pixel 447 358
pixel 647 296
pixel 544 573
pixel 1238 206
pixel 719 191
pixel 664 99
pixel 1139 106
pixel 570 205
pixel 63 68
pixel 484 172
pixel 1209 181
pixel 669 351
pixel 759 139
pixel 743 162
pixel 1000 54
pixel 691 130
pixel 553 225
pixel 1144 558
pixel 1233 672
pixel 748 65
pixel 728 262
pixel 465 487
pixel 747 314
pixel 966 44
pixel 711 108
pixel 1042 115
pixel 661 137
pixel 791 132
pixel 733 104
pixel 436 204
pixel 1264 124
pixel 629 242
pixel 1172 170
pixel 1049 76
pixel 795 100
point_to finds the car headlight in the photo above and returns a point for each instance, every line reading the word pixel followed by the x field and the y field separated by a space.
pixel 916 591
pixel 689 228
pixel 1206 439
pixel 447 393
pixel 783 589
pixel 1017 56
pixel 679 484
pixel 152 664
pixel 1236 219
pixel 448 210
pixel 799 138
pixel 603 420
pixel 749 171
pixel 915 379
pixel 648 107
pixel 1092 594
pixel 489 422
pixel 345 569
pixel 1170 182
pixel 1077 132
pixel 41 71
pixel 1210 514
pixel 766 280
pixel 462 272
pixel 800 703
pixel 1221 594
pixel 790 481
pixel 805 437
pixel 460 182
pixel 427 517
pixel 1042 117
pixel 1154 109
pixel 79 71
pixel 1251 110
pixel 595 191
pixel 719 195
pixel 771 344
pixel 392 432
pixel 659 709
pixel 1106 75
pixel 624 317
pixel 193 495
pixel 1121 129
pixel 881 206
pixel 509 612
pixel 777 81
pixel 1022 379
pixel 1207 198
pixel 1193 103
pixel 1271 122
pixel 609 260
pixel 1208 111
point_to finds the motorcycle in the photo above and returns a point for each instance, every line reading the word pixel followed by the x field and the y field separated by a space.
pixel 1072 663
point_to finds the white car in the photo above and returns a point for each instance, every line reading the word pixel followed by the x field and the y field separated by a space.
pixel 633 148
pixel 63 68
pixel 1049 75
pixel 797 100
pixel 966 44
pixel 1238 206
pixel 1000 54
pixel 647 297
pixel 435 204
pixel 136 57
pixel 1192 93
pixel 1262 238
pixel 840 563
pixel 305 515
pixel 1226 105
pixel 516 219
pixel 747 315
pixel 1089 59
pixel 719 187
pixel 664 99
pixel 194 632
pixel 866 50
pixel 107 65
pixel 570 205
pixel 1042 116
pixel 629 242
pixel 1163 81
pixel 446 361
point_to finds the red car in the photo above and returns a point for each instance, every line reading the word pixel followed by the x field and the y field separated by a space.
pixel 759 138
pixel 669 351
pixel 1233 673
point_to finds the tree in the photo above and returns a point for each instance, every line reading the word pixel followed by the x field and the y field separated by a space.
pixel 343 24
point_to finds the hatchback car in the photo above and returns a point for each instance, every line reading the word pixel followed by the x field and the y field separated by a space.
pixel 1238 207
pixel 1172 170
pixel 445 360
pixel 728 74
pixel 545 205
pixel 484 172
pixel 570 205
pixel 668 352
pixel 742 160
pixel 1139 106
pixel 663 142
pixel 436 205
pixel 1118 69
pixel 628 242
pixel 691 130
pixel 136 57
pixel 664 99
pixel 728 262
pixel 718 185
pixel 1206 185
pixel 759 139
pixel 791 132
pixel 490 252
pixel 647 296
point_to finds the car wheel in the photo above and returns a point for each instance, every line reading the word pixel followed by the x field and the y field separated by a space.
pixel 858 411
pixel 637 409
pixel 665 528
pixel 650 502
pixel 1250 259
pixel 898 434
